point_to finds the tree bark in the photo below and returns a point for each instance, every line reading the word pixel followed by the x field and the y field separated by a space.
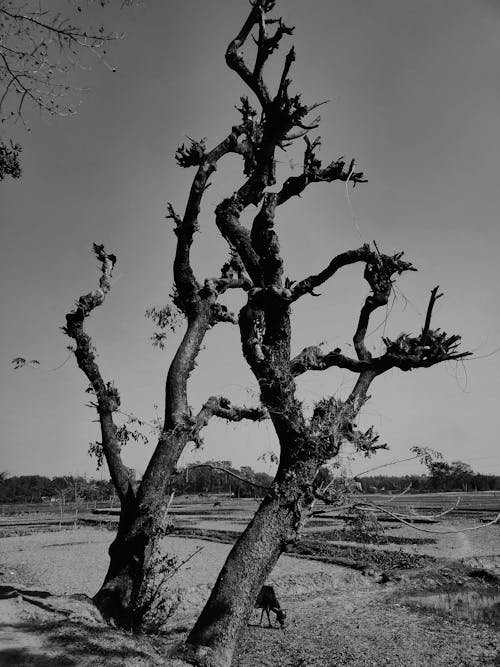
pixel 213 639
pixel 126 561
pixel 121 596
pixel 142 523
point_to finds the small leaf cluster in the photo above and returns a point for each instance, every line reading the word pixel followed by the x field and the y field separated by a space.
pixel 191 155
pixel 426 455
pixel 9 160
pixel 166 317
pixel 21 362
pixel 96 451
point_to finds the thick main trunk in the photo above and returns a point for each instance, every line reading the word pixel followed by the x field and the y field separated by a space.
pixel 118 599
pixel 122 596
pixel 212 641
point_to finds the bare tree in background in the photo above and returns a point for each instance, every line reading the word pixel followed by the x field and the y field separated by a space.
pixel 39 49
pixel 265 330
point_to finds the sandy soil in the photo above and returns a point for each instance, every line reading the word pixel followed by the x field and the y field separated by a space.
pixel 49 559
pixel 336 617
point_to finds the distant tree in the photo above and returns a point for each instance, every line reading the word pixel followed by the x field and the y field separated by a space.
pixel 445 476
pixel 462 474
pixel 68 488
pixel 263 479
pixel 39 48
pixel 221 477
pixel 25 488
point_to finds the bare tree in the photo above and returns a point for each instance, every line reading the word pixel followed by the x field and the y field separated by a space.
pixel 255 266
pixel 265 330
pixel 39 48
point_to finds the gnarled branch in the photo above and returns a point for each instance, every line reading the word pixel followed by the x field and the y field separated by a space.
pixel 307 285
pixel 313 172
pixel 379 272
pixel 218 406
pixel 234 58
pixel 312 358
pixel 108 399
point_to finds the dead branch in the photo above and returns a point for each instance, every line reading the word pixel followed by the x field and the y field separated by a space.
pixel 233 276
pixel 307 285
pixel 434 297
pixel 218 406
pixel 187 225
pixel 437 532
pixel 186 560
pixel 379 275
pixel 235 60
pixel 313 359
pixel 229 472
pixel 415 514
pixel 398 495
pixel 386 465
pixel 313 172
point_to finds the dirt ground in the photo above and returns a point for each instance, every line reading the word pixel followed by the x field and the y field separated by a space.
pixel 336 616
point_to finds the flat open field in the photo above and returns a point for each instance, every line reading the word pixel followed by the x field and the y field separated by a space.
pixel 342 616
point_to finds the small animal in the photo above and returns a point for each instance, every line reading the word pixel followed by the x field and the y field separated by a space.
pixel 267 601
pixel 217 503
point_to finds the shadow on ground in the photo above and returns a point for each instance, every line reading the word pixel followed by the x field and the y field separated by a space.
pixel 71 643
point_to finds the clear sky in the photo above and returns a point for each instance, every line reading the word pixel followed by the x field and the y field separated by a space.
pixel 415 98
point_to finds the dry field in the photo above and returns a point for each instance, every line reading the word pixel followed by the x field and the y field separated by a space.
pixel 337 616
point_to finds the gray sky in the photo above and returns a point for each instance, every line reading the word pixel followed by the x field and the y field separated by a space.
pixel 415 98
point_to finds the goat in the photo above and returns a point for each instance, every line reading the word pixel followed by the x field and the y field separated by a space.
pixel 267 601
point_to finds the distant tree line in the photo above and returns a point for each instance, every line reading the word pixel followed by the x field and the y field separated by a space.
pixel 214 477
pixel 220 477
pixel 442 476
pixel 37 489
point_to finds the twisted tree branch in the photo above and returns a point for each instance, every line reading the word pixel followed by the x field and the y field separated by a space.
pixel 313 172
pixel 307 285
pixel 218 406
pixel 108 399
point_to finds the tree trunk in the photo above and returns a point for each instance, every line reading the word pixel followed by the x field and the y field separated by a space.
pixel 212 641
pixel 119 598
pixel 122 597
pixel 125 554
